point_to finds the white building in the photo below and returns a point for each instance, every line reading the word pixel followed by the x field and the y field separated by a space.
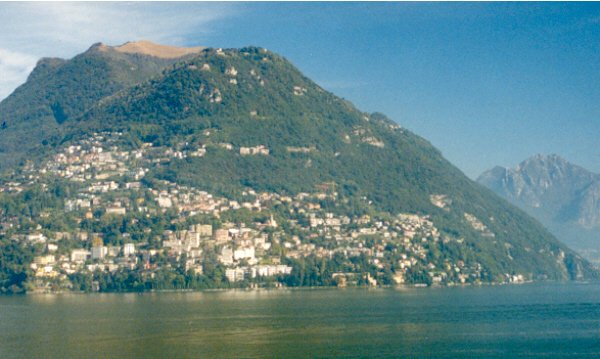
pixel 44 260
pixel 165 202
pixel 116 210
pixel 128 249
pixel 234 275
pixel 36 238
pixel 80 255
pixel 244 253
pixel 99 252
pixel 226 256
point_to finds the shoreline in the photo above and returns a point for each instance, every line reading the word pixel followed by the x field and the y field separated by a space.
pixel 316 288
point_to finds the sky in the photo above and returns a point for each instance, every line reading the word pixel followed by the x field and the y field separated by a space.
pixel 486 83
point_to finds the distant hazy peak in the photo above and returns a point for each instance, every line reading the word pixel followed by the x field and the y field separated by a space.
pixel 547 167
pixel 560 192
pixel 541 160
pixel 151 49
pixel 535 161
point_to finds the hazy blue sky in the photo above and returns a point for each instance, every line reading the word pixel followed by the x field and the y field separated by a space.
pixel 486 83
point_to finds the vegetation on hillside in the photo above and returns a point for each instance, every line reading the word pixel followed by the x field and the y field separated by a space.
pixel 227 100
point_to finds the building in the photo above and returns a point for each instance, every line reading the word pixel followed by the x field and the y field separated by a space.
pixel 204 230
pixel 99 252
pixel 164 202
pixel 116 210
pixel 226 256
pixel 222 236
pixel 244 253
pixel 36 238
pixel 80 255
pixel 44 260
pixel 235 274
pixel 257 150
pixel 128 249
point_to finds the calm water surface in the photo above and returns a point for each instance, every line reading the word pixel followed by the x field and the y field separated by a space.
pixel 538 320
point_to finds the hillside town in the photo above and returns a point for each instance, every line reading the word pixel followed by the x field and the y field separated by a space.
pixel 114 223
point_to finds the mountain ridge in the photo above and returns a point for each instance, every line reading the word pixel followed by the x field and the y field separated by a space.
pixel 230 122
pixel 145 47
pixel 562 195
pixel 59 89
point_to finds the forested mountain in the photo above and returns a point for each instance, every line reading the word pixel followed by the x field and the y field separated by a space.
pixel 245 126
pixel 58 90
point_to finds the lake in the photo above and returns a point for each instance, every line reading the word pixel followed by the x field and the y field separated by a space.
pixel 533 320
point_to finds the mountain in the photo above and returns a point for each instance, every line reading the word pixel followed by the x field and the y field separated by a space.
pixel 240 138
pixel 563 196
pixel 58 90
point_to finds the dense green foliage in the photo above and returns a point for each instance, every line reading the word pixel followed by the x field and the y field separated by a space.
pixel 14 263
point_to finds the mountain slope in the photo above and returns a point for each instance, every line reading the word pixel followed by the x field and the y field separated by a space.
pixel 58 90
pixel 563 196
pixel 252 97
pixel 255 123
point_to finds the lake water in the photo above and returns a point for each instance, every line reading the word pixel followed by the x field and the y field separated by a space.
pixel 534 320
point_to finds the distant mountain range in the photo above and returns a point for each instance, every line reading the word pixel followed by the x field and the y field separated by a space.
pixel 563 196
pixel 135 129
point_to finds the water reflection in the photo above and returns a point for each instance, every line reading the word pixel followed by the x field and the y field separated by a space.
pixel 487 321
